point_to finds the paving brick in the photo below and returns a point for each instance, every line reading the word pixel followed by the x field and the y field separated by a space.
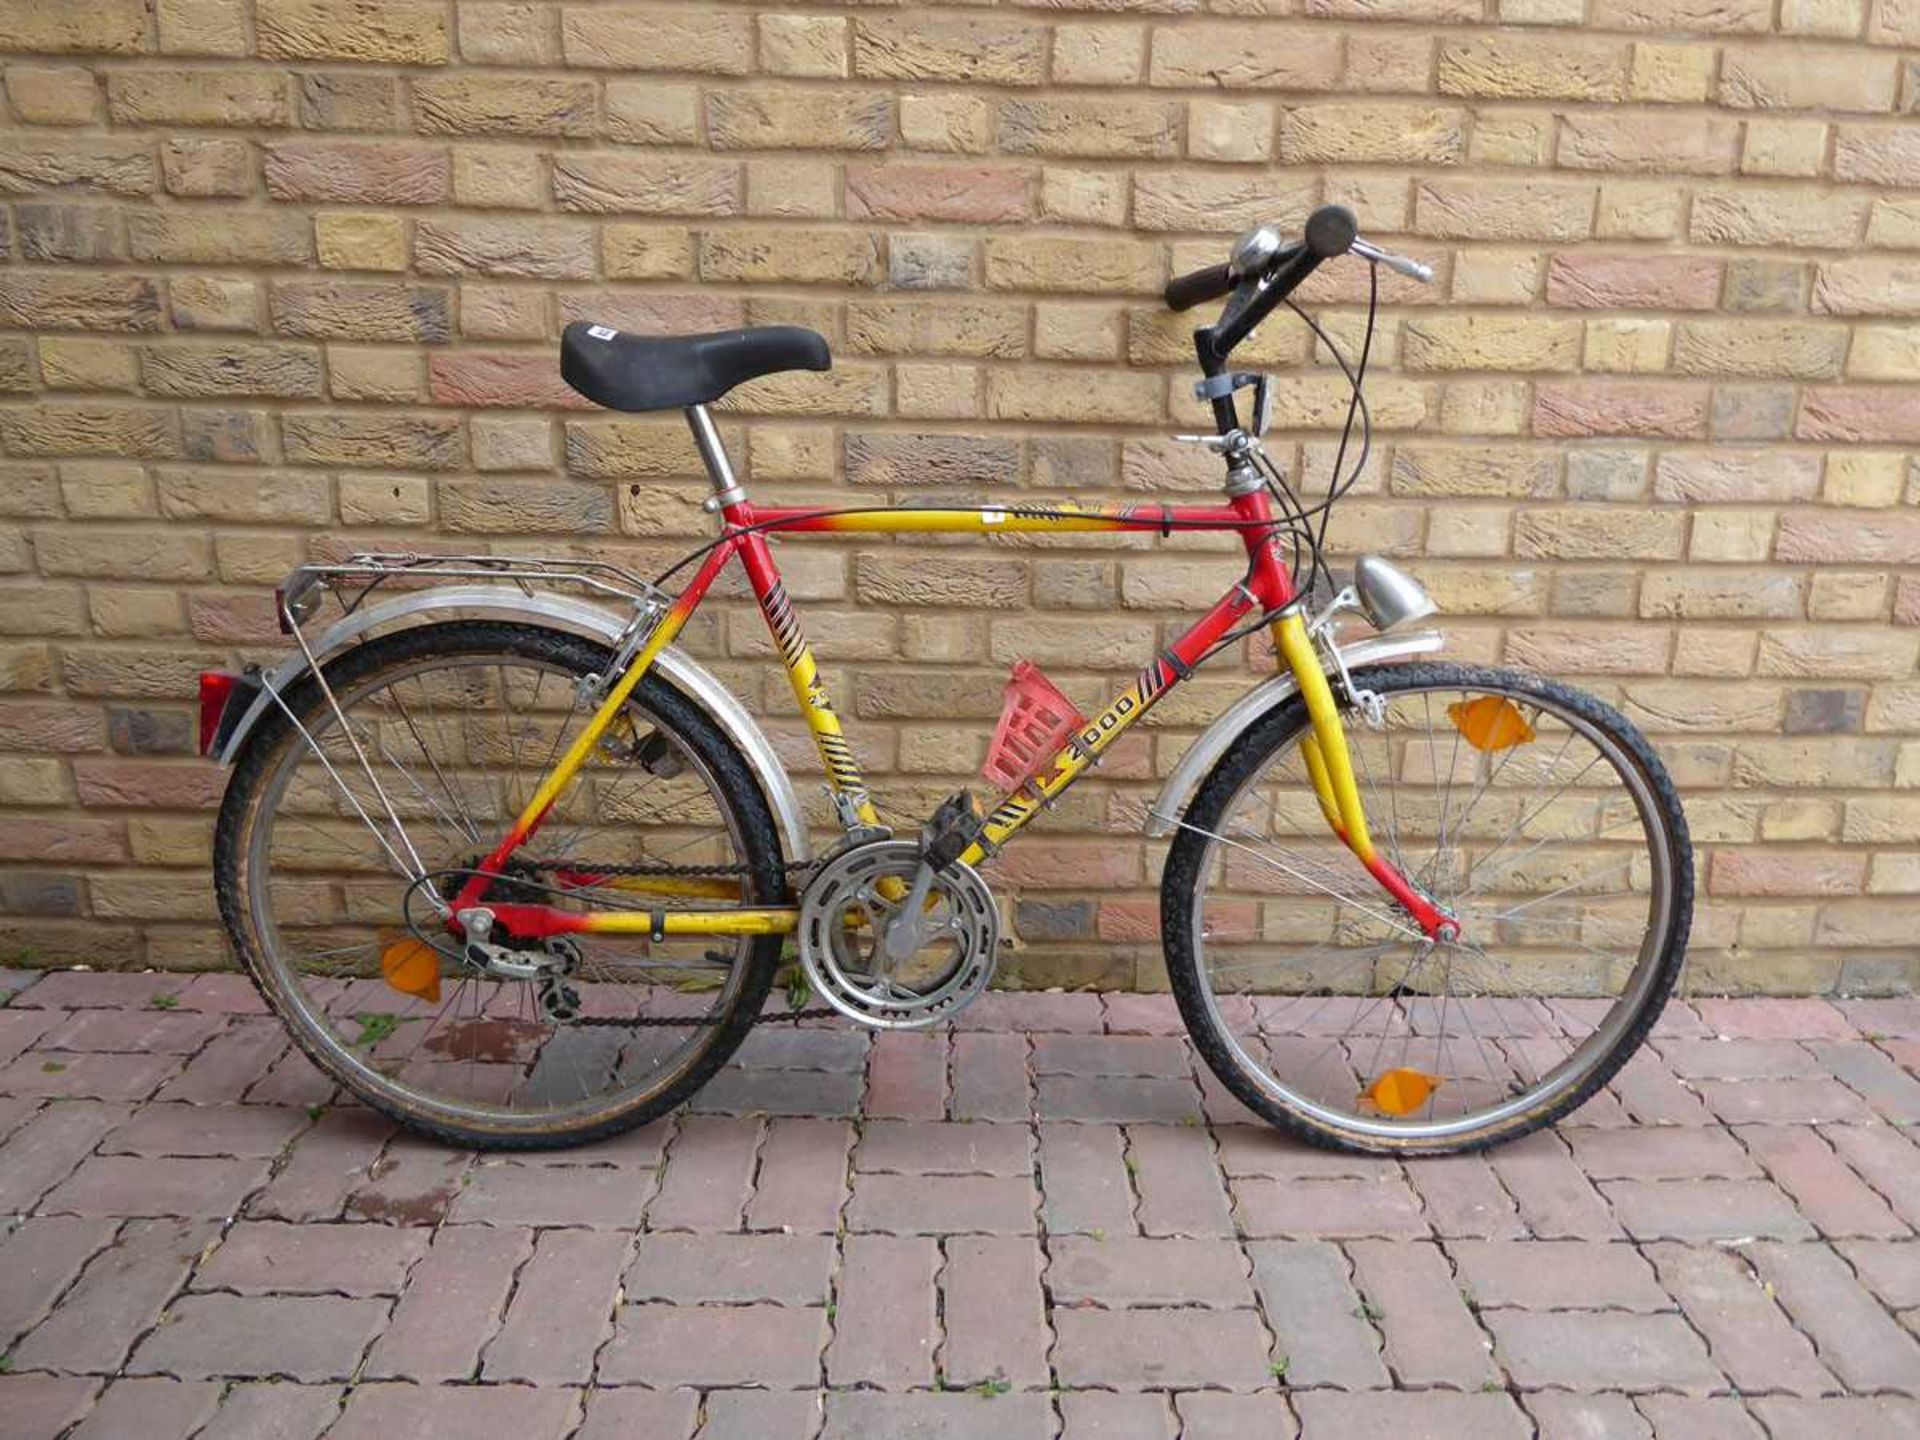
pixel 1776 1019
pixel 869 1415
pixel 118 1296
pixel 1177 1177
pixel 1666 1153
pixel 1783 1102
pixel 667 1345
pixel 485 1412
pixel 1464 1198
pixel 38 1260
pixel 1828 1193
pixel 561 1311
pixel 819 1093
pixel 508 1193
pixel 1586 1417
pixel 328 1164
pixel 731 1415
pixel 413 1182
pixel 803 1176
pixel 1654 1095
pixel 1888 1268
pixel 1751 1339
pixel 1705 1210
pixel 201 1130
pixel 223 994
pixel 150 1409
pixel 1887 1160
pixel 1079 1014
pixel 1318 1324
pixel 885 1329
pixel 793 1047
pixel 1854 1337
pixel 79 989
pixel 1600 1350
pixel 1111 1055
pixel 1556 1200
pixel 140 1032
pixel 48 1148
pixel 943 1205
pixel 1688 1417
pixel 307 1337
pixel 1084 1180
pixel 452 1305
pixel 263 1257
pixel 191 1189
pixel 1134 1014
pixel 1739 1059
pixel 1330 1209
pixel 274 1410
pixel 691 1269
pixel 994 1312
pixel 1840 1418
pixel 1261 1152
pixel 1161 1349
pixel 907 1076
pixel 1870 1073
pixel 1104 1415
pixel 19 1029
pixel 708 1175
pixel 1124 1270
pixel 1557 1275
pixel 1431 1337
pixel 77 1075
pixel 1329 1415
pixel 990 1080
pixel 42 1407
pixel 1205 1415
pixel 1121 1100
pixel 921 1147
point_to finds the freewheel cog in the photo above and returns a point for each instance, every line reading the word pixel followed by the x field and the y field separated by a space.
pixel 845 913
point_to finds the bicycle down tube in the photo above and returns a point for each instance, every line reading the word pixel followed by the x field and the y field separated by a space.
pixel 1267 588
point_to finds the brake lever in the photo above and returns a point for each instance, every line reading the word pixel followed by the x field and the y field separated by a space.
pixel 1399 264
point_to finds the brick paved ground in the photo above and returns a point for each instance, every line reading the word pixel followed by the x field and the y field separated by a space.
pixel 1043 1223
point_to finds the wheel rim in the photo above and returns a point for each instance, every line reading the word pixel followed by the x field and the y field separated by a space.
pixel 1303 1024
pixel 484 1054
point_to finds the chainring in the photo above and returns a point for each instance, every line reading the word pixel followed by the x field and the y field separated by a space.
pixel 844 914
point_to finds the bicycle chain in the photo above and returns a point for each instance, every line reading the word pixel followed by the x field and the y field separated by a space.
pixel 665 870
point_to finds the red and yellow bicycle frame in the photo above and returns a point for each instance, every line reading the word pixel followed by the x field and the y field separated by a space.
pixel 1267 589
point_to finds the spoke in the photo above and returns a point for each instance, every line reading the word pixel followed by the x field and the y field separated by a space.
pixel 1520 824
pixel 1305 879
pixel 1574 884
pixel 466 820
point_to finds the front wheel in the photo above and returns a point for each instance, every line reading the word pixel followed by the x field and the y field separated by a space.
pixel 1537 816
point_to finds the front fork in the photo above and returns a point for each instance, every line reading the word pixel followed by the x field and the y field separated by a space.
pixel 1330 768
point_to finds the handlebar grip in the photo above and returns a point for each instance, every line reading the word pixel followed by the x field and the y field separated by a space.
pixel 1183 292
pixel 1331 231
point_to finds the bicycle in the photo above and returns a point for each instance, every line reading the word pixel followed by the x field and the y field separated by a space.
pixel 1408 907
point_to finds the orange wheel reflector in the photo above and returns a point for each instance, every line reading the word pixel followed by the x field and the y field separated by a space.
pixel 1401 1092
pixel 412 968
pixel 1492 722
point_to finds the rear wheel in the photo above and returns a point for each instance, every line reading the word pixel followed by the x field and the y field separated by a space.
pixel 458 723
pixel 1539 817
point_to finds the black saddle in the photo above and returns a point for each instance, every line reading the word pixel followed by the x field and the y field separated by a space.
pixel 671 372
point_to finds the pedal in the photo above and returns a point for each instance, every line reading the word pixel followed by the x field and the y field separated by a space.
pixel 952 830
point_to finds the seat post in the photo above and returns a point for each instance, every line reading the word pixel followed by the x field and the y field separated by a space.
pixel 706 436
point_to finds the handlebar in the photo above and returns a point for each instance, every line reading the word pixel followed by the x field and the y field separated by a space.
pixel 1331 231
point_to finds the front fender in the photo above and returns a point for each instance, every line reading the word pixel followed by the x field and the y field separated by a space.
pixel 561 612
pixel 1240 716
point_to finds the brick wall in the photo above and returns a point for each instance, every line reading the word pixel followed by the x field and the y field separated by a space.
pixel 285 276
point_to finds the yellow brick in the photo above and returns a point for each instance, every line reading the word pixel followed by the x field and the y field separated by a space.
pixel 1513 137
pixel 499 178
pixel 53 94
pixel 68 363
pixel 1049 393
pixel 1374 132
pixel 808 256
pixel 202 27
pixel 1885 352
pixel 1639 210
pixel 814 46
pixel 104 27
pixel 1841 595
pixel 1491 342
pixel 1784 147
pixel 936 390
pixel 1099 54
pixel 1866 478
pixel 1496 277
pixel 1229 130
pixel 952 122
pixel 1732 535
pixel 1674 74
pixel 1533 67
pixel 361 242
pixel 1627 346
pixel 668 38
pixel 393 32
pixel 1077 332
pixel 373 373
pixel 1083 197
pixel 1089 266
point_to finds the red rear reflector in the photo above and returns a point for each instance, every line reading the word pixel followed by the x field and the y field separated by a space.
pixel 215 690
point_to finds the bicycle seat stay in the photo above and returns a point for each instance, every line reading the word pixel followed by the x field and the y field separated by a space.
pixel 672 372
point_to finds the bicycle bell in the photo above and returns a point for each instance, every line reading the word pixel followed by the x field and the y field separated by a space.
pixel 1254 251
